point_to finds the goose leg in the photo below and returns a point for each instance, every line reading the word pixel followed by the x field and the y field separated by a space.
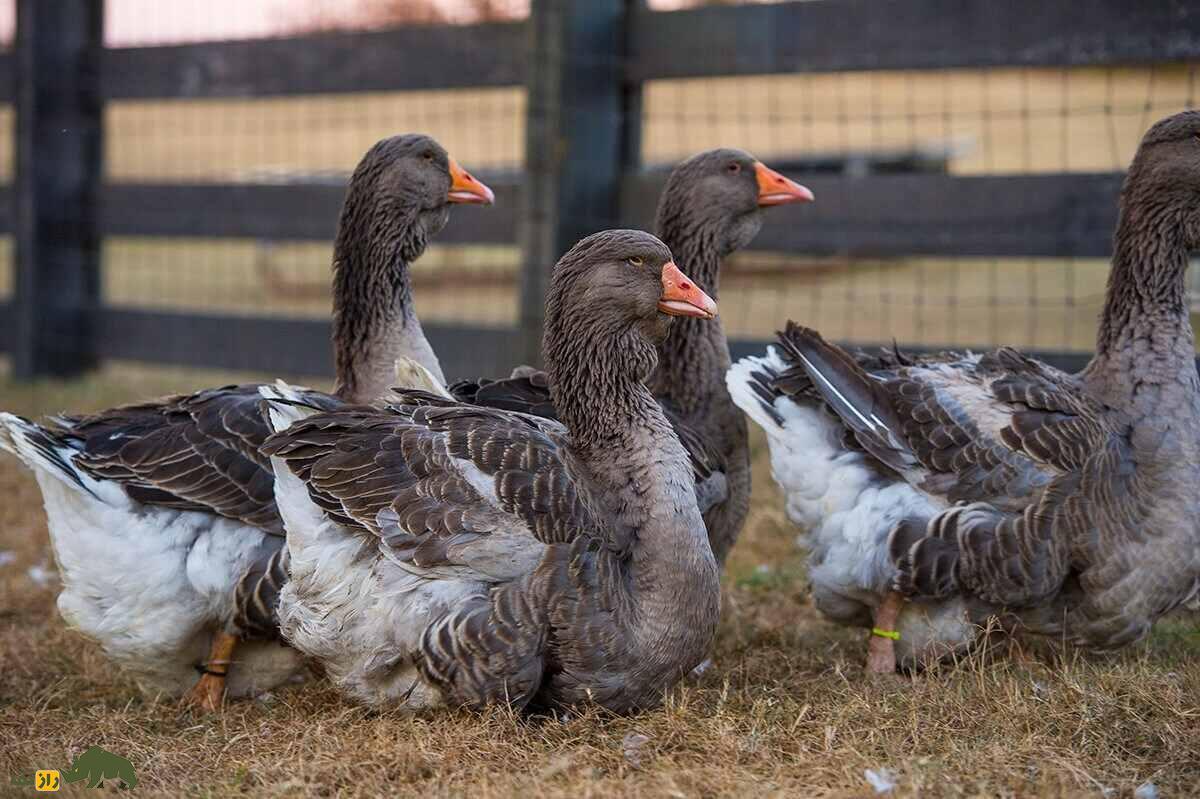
pixel 881 649
pixel 207 694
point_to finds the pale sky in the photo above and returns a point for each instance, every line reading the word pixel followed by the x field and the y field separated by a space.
pixel 134 22
pixel 147 22
pixel 131 22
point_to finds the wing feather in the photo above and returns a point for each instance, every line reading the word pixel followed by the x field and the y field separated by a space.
pixel 447 488
pixel 1004 438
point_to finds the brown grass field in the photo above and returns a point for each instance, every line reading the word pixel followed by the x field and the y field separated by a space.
pixel 786 710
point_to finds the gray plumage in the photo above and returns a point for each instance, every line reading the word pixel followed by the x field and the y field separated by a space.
pixel 452 553
pixel 199 454
pixel 1069 500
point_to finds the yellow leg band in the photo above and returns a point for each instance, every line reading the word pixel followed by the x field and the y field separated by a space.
pixel 882 633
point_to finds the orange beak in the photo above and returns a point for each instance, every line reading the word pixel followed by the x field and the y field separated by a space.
pixel 682 297
pixel 466 189
pixel 775 189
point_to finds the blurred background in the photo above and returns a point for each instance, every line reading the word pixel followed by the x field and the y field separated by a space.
pixel 966 159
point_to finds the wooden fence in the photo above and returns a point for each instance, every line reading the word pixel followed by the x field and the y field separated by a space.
pixel 583 64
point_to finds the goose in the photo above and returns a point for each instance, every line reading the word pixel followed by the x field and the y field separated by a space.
pixel 444 553
pixel 162 516
pixel 711 206
pixel 941 491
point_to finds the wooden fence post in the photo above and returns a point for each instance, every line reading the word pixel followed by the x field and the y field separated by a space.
pixel 576 139
pixel 59 152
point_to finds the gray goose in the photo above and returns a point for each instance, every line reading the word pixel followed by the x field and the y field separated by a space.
pixel 710 207
pixel 452 554
pixel 971 484
pixel 162 514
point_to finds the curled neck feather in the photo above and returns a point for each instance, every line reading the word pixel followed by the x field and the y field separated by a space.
pixel 1145 337
pixel 374 321
pixel 700 233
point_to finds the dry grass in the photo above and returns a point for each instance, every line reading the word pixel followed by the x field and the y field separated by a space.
pixel 786 711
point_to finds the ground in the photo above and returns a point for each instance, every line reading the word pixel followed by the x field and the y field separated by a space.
pixel 785 711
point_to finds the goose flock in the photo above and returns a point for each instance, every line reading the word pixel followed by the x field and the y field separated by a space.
pixel 555 538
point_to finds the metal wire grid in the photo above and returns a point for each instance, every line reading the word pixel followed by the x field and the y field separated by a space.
pixel 310 139
pixel 997 121
pixel 292 141
pixel 981 122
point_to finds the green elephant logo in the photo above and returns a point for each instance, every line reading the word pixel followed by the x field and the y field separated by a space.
pixel 97 765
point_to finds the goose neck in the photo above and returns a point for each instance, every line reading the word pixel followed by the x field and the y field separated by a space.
pixel 374 321
pixel 637 478
pixel 1145 344
pixel 1146 299
pixel 693 358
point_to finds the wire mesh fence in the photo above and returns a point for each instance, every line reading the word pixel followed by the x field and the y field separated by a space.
pixel 960 122
pixel 293 142
pixel 965 122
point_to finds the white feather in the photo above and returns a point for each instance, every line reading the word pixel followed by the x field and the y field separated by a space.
pixel 152 584
pixel 281 415
pixel 410 374
pixel 845 510
pixel 149 584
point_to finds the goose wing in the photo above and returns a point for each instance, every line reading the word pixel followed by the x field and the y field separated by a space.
pixel 1003 437
pixel 995 428
pixel 449 489
pixel 191 452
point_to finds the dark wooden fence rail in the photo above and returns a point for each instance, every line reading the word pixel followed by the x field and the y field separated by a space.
pixel 922 214
pixel 606 50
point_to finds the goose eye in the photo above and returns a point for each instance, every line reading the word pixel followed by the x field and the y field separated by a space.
pixel 635 261
pixel 734 168
pixel 428 157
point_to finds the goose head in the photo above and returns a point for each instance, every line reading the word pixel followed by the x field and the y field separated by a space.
pixel 409 179
pixel 618 289
pixel 718 197
pixel 1164 179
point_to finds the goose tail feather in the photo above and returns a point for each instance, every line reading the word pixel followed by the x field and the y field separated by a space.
pixel 860 400
pixel 42 449
pixel 283 405
pixel 751 385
